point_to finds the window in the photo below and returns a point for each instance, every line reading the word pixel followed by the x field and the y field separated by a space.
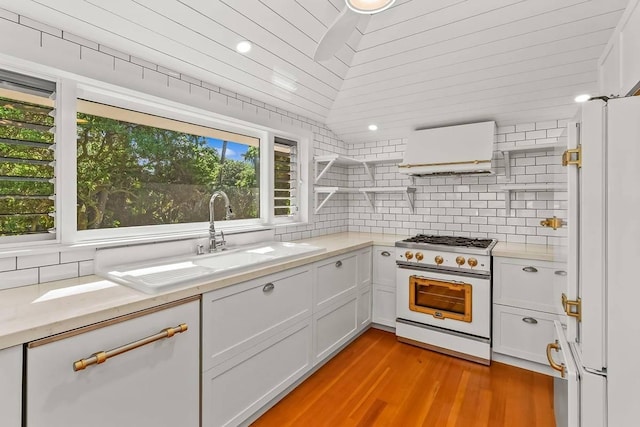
pixel 27 157
pixel 137 169
pixel 285 178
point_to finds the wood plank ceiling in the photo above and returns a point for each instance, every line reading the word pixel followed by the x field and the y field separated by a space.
pixel 421 63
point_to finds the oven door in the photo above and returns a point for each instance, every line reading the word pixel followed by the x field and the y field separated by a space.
pixel 455 302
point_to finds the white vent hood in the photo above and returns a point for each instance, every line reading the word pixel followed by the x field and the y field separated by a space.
pixel 463 149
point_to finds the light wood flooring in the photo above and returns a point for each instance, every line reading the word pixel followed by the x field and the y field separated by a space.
pixel 378 381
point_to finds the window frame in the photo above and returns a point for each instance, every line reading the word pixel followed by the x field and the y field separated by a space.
pixel 71 88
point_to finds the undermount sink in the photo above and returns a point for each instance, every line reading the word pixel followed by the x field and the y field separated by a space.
pixel 164 274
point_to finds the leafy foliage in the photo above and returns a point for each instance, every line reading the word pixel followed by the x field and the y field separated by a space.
pixel 24 168
pixel 132 175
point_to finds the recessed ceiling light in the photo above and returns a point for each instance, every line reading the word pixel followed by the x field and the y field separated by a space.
pixel 243 47
pixel 582 98
pixel 373 127
pixel 369 6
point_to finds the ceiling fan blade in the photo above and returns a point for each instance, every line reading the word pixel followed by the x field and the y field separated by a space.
pixel 337 34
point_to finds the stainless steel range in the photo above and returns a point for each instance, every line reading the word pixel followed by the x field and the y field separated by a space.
pixel 444 295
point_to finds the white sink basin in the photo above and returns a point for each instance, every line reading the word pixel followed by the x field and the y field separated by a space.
pixel 164 274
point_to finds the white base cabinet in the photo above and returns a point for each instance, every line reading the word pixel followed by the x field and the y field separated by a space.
pixel 155 385
pixel 526 302
pixel 11 386
pixel 260 337
pixel 384 286
pixel 237 388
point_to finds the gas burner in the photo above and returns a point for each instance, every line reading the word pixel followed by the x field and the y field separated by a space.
pixel 450 241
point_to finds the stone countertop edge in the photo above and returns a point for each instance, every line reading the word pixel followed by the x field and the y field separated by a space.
pixel 33 312
pixel 530 251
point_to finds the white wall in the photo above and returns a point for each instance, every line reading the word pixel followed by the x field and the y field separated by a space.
pixel 468 206
pixel 24 39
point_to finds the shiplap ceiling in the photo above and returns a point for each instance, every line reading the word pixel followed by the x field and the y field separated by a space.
pixel 421 63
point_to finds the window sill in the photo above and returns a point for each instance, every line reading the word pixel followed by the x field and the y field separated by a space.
pixel 44 247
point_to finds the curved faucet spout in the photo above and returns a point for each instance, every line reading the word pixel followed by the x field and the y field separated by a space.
pixel 227 205
pixel 214 242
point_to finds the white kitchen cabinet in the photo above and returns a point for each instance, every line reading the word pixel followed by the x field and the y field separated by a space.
pixel 155 384
pixel 237 317
pixel 11 386
pixel 365 296
pixel 364 288
pixel 235 389
pixel 335 279
pixel 619 64
pixel 527 297
pixel 522 333
pixel 335 319
pixel 534 285
pixel 384 286
pixel 334 326
pixel 256 341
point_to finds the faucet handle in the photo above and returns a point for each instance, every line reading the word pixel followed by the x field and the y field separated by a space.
pixel 200 249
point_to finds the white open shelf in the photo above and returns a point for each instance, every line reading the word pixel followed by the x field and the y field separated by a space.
pixel 336 159
pixel 546 186
pixel 367 191
pixel 532 148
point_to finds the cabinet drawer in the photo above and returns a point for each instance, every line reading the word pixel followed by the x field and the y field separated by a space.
pixel 535 285
pixel 522 333
pixel 335 278
pixel 334 327
pixel 156 384
pixel 235 318
pixel 384 266
pixel 384 305
pixel 11 386
pixel 237 388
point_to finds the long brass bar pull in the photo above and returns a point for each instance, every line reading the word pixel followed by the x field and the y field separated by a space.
pixel 103 356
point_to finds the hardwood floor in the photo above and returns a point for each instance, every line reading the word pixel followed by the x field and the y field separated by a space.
pixel 377 381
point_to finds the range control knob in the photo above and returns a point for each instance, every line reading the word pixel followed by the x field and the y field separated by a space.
pixel 472 262
pixel 439 260
pixel 460 261
pixel 419 256
pixel 408 255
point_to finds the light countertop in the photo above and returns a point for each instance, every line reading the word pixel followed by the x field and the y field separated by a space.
pixel 530 251
pixel 32 312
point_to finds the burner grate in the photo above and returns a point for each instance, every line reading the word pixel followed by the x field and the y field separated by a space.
pixel 450 241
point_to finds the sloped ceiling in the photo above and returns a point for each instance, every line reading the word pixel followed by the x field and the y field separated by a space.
pixel 421 63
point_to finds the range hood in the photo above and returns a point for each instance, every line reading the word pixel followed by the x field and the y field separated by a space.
pixel 452 150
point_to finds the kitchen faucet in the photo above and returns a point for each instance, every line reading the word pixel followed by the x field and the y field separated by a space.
pixel 216 239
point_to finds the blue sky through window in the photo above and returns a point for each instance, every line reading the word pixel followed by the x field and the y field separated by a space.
pixel 235 151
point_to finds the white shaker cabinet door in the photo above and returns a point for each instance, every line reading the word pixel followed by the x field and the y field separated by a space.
pixel 11 386
pixel 154 385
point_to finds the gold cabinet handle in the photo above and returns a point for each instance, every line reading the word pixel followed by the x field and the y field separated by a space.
pixel 102 356
pixel 554 222
pixel 558 367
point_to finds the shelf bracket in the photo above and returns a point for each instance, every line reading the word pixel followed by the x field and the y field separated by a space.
pixel 370 200
pixel 507 202
pixel 324 170
pixel 368 170
pixel 411 199
pixel 326 199
pixel 507 164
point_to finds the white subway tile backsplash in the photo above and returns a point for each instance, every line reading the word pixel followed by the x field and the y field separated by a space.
pixel 85 268
pixel 75 256
pixel 469 205
pixel 7 264
pixel 40 260
pixel 58 272
pixel 13 279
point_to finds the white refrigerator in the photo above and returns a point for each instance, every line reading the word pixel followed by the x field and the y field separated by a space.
pixel 597 345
